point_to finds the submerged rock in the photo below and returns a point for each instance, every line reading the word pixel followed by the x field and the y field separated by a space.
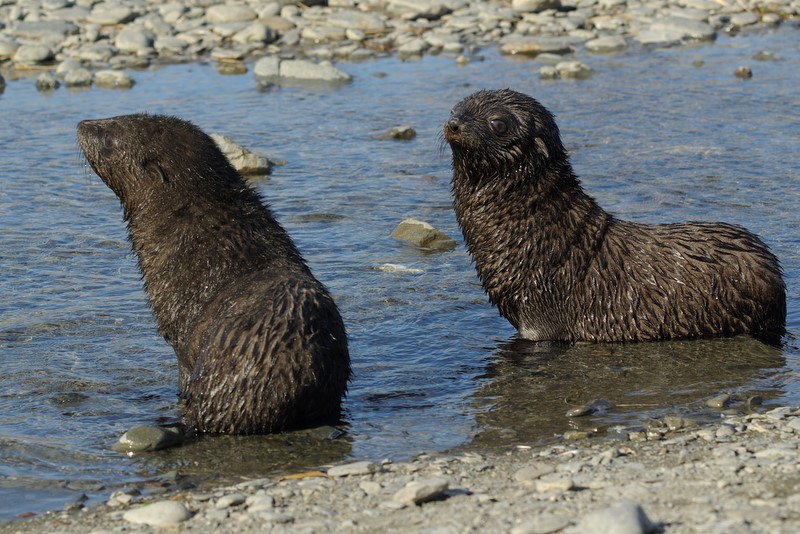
pixel 423 235
pixel 149 438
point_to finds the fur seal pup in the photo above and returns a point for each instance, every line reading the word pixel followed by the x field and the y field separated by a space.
pixel 260 344
pixel 560 268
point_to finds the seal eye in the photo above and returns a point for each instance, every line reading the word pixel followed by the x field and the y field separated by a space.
pixel 499 126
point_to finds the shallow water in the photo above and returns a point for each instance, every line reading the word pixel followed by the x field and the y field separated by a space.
pixel 653 137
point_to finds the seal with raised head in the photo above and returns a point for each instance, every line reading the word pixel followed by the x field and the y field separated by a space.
pixel 260 343
pixel 560 268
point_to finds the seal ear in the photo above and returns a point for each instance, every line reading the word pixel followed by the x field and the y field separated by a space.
pixel 155 172
pixel 541 147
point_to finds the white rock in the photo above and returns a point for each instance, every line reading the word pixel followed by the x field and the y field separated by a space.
pixel 624 518
pixel 158 514
pixel 607 43
pixel 31 54
pixel 233 499
pixel 534 6
pixel 419 491
pixel 302 69
pixel 229 13
pixel 113 79
pixel 267 67
pixel 355 468
pixel 133 39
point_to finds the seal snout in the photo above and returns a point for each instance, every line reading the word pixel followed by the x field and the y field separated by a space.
pixel 453 129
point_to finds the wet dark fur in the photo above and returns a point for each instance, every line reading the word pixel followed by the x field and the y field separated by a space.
pixel 558 267
pixel 261 346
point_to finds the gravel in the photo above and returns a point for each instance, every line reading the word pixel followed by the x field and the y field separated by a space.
pixel 299 41
pixel 741 475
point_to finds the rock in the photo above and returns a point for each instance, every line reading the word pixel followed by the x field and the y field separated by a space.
pixel 765 55
pixel 543 524
pixel 420 491
pixel 532 46
pixel 303 69
pixel 33 54
pixel 624 518
pixel 232 499
pixel 8 48
pixel 133 40
pixel 229 13
pixel 532 472
pixel 67 65
pixel 605 44
pixel 548 72
pixel 260 503
pixel 243 160
pixel 720 401
pixel 423 235
pixel 555 485
pixel 534 6
pixel 110 14
pixel 46 82
pixel 2 83
pixel 78 78
pixel 746 18
pixel 673 30
pixel 353 20
pixel 255 33
pixel 37 30
pixel 414 47
pixel 400 132
pixel 148 438
pixel 413 9
pixel 158 514
pixel 597 406
pixel 267 67
pixel 396 268
pixel 113 79
pixel 353 469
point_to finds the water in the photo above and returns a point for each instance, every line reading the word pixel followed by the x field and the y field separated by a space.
pixel 653 137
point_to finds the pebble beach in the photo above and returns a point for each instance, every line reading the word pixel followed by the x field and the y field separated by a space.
pixel 83 42
pixel 739 475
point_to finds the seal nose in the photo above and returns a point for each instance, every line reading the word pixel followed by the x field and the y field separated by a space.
pixel 453 125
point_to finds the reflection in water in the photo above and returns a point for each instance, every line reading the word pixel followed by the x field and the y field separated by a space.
pixel 531 385
pixel 230 459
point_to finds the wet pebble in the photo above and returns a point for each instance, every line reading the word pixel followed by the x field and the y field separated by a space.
pixel 400 132
pixel 113 79
pixel 422 235
pixel 143 438
pixel 720 401
pixel 78 78
pixel 46 81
